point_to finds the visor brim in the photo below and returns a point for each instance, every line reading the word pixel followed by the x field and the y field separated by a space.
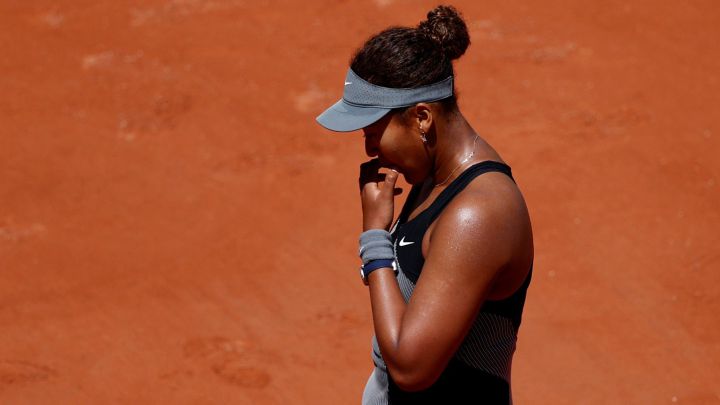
pixel 343 117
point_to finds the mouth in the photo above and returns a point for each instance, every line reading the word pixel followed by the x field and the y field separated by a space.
pixel 389 166
pixel 384 163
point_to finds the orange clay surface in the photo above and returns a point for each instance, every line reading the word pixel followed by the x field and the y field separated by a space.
pixel 176 229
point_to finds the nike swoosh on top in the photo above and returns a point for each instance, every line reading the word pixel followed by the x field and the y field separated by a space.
pixel 403 243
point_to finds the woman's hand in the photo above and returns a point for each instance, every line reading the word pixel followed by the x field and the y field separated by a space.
pixel 377 194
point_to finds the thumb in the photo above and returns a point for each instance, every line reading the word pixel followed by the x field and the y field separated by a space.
pixel 391 178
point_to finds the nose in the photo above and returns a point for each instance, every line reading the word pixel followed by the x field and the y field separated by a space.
pixel 371 147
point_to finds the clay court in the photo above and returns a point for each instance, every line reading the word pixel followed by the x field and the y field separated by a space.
pixel 176 229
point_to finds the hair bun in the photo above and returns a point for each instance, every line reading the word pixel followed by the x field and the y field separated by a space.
pixel 445 25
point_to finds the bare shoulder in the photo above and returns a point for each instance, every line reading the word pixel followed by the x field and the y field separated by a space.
pixel 491 204
pixel 487 228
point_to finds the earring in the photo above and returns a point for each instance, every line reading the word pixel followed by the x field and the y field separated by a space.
pixel 422 135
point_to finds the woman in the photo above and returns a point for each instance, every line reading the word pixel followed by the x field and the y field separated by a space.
pixel 448 281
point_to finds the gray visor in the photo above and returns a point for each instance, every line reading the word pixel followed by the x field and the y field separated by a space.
pixel 364 103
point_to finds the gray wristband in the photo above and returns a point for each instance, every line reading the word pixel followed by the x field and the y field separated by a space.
pixel 376 244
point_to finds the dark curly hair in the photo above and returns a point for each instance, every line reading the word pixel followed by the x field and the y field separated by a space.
pixel 404 57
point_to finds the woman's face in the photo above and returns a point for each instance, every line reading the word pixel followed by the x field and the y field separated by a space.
pixel 398 146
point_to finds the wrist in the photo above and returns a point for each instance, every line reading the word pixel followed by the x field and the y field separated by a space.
pixel 376 252
pixel 370 267
pixel 367 226
pixel 376 244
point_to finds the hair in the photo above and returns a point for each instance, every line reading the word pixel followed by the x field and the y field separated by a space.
pixel 405 57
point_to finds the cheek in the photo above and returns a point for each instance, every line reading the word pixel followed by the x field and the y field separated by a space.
pixel 405 152
pixel 417 162
pixel 395 149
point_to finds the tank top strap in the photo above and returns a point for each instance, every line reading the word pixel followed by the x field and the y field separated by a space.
pixel 407 208
pixel 462 181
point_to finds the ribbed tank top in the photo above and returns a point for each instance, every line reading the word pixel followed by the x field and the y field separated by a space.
pixel 479 372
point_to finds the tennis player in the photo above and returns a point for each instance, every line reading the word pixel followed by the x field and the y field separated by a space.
pixel 448 279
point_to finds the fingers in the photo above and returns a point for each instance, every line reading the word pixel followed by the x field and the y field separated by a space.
pixel 387 184
pixel 369 172
pixel 377 191
pixel 370 176
pixel 391 178
pixel 370 166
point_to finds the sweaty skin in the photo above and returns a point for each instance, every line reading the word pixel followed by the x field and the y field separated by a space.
pixel 479 248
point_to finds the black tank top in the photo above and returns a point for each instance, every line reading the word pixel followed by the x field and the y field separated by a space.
pixel 479 372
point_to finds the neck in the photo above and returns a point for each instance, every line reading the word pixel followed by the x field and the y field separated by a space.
pixel 456 142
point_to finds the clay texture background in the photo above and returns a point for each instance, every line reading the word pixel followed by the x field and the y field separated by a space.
pixel 175 228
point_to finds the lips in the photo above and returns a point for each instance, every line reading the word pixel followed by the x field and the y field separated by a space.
pixel 388 165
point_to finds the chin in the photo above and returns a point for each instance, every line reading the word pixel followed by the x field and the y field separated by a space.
pixel 411 180
pixel 416 177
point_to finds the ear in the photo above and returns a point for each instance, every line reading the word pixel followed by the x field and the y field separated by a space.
pixel 423 116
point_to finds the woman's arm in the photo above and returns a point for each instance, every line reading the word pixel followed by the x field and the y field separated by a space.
pixel 469 245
